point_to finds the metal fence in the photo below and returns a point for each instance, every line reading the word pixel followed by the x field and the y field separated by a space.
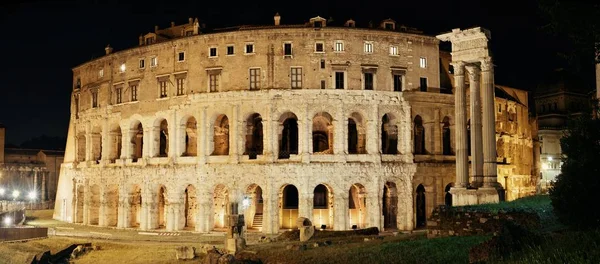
pixel 20 233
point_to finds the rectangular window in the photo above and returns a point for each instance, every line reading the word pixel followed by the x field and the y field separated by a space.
pixel 499 108
pixel 163 88
pixel 230 50
pixel 133 92
pixel 119 94
pixel 181 56
pixel 423 62
pixel 322 64
pixel 389 26
pixel 101 73
pixel 319 47
pixel 180 87
pixel 78 83
pixel 153 61
pixel 423 84
pixel 249 48
pixel 339 46
pixel 94 99
pixel 339 80
pixel 287 49
pixel 254 79
pixel 394 51
pixel 322 84
pixel 296 77
pixel 213 82
pixel 368 81
pixel 212 52
pixel 142 63
pixel 397 83
pixel 189 33
pixel 368 47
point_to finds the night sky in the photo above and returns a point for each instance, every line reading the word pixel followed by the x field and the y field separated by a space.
pixel 42 40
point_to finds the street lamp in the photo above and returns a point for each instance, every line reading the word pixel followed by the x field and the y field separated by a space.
pixel 7 221
pixel 32 195
pixel 15 194
pixel 2 191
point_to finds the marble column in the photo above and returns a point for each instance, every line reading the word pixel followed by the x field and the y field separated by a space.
pixel 462 171
pixel 476 136
pixel 489 124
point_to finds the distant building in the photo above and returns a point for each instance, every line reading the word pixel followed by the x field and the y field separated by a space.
pixel 28 174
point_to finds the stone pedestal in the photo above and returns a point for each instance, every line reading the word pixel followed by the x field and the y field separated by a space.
pixel 464 196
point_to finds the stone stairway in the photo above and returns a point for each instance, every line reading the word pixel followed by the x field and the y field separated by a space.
pixel 258 220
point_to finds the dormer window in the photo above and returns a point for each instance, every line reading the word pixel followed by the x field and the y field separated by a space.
pixel 388 26
pixel 101 73
pixel 350 23
pixel 318 24
pixel 149 40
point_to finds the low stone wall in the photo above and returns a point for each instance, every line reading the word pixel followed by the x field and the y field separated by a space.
pixel 459 221
pixel 20 233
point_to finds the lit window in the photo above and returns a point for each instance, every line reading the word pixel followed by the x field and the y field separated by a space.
pixel 163 89
pixel 230 50
pixel 319 47
pixel 212 52
pixel 423 62
pixel 153 61
pixel 123 67
pixel 394 50
pixel 296 77
pixel 101 73
pixel 254 79
pixel 180 87
pixel 133 92
pixel 181 56
pixel 287 49
pixel 142 63
pixel 339 46
pixel 249 48
pixel 119 94
pixel 368 47
pixel 213 82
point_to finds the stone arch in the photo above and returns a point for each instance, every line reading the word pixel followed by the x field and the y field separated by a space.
pixel 419 136
pixel 111 212
pixel 221 136
pixel 190 136
pixel 322 133
pixel 323 201
pixel 390 206
pixel 190 206
pixel 79 202
pixel 288 204
pixel 389 134
pixel 161 138
pixel 135 203
pixel 288 135
pixel 448 195
pixel 136 140
pixel 94 205
pixel 253 204
pixel 357 206
pixel 162 206
pixel 221 201
pixel 421 206
pixel 115 137
pixel 254 136
pixel 96 144
pixel 446 137
pixel 356 134
pixel 81 146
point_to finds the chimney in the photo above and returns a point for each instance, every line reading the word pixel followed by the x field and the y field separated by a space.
pixel 2 138
pixel 190 20
pixel 141 39
pixel 156 29
pixel 108 49
pixel 172 24
pixel 277 19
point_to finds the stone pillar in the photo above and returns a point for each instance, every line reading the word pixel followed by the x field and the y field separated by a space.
pixel 271 211
pixel 202 126
pixel 372 138
pixel 180 145
pixel 89 138
pixel 462 171
pixel 437 133
pixel 102 210
pixel 124 210
pixel 374 213
pixel 476 136
pixel 204 214
pixel 126 145
pixel 276 128
pixel 339 144
pixel 305 205
pixel 489 125
pixel 341 211
pixel 268 137
pixel 35 180
pixel 43 196
pixel 305 138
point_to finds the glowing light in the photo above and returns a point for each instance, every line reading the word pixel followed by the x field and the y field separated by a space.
pixel 123 67
pixel 32 195
pixel 7 221
pixel 15 194
pixel 2 191
pixel 545 166
pixel 549 158
pixel 246 202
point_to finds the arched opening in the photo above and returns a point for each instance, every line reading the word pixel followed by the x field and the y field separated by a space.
pixel 254 136
pixel 80 198
pixel 253 204
pixel 115 143
pixel 389 135
pixel 322 133
pixel 96 144
pixel 322 206
pixel 288 136
pixel 94 205
pixel 191 137
pixel 421 207
pixel 81 148
pixel 162 207
pixel 137 141
pixel 390 206
pixel 221 136
pixel 221 200
pixel 112 205
pixel 163 139
pixel 469 137
pixel 357 206
pixel 446 139
pixel 419 136
pixel 191 207
pixel 356 134
pixel 448 195
pixel 136 206
pixel 288 203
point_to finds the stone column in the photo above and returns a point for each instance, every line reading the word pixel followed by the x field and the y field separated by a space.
pixel 102 210
pixel 86 204
pixel 202 126
pixel 339 141
pixel 271 212
pixel 89 138
pixel 43 194
pixel 476 136
pixel 489 125
pixel 305 205
pixel 374 213
pixel 126 145
pixel 268 137
pixel 305 137
pixel 204 213
pixel 341 211
pixel 372 139
pixel 124 211
pixel 437 133
pixel 180 142
pixel 462 171
pixel 35 180
pixel 234 135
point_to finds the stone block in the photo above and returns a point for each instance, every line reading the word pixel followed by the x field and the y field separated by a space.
pixel 185 252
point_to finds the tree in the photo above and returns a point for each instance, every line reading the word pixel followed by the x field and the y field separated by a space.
pixel 575 193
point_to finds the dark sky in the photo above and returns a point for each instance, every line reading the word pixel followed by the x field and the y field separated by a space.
pixel 42 40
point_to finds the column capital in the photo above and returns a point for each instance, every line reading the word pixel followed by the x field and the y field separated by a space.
pixel 486 64
pixel 458 67
pixel 473 72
